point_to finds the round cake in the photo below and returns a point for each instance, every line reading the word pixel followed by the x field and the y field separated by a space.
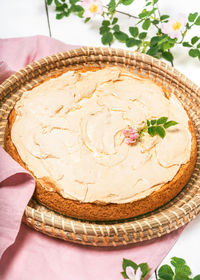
pixel 102 143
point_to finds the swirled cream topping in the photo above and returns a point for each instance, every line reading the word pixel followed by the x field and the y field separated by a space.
pixel 69 130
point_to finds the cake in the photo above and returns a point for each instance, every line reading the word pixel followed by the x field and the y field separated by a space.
pixel 84 136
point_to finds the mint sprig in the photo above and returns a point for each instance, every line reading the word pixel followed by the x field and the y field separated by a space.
pixel 158 126
pixel 177 270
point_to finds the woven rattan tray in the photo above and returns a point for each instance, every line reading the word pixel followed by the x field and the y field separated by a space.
pixel 170 217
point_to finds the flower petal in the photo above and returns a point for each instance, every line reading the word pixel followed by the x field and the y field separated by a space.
pixel 130 272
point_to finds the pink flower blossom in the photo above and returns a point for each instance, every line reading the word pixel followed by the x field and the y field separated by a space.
pixel 131 135
pixel 132 274
pixel 92 8
pixel 175 27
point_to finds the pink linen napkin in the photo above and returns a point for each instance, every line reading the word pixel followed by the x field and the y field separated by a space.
pixel 34 255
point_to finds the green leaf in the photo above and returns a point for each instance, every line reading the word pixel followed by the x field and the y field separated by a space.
pixel 57 3
pixel 134 31
pixel 180 276
pixel 155 21
pixel 115 20
pixel 163 17
pixel 183 269
pixel 153 50
pixel 194 39
pixel 155 40
pixel 107 38
pixel 49 2
pixel 130 42
pixel 153 122
pixel 143 14
pixel 144 268
pixel 166 125
pixel 165 272
pixel 194 52
pixel 121 36
pixel 191 17
pixel 127 2
pixel 104 29
pixel 197 21
pixel 111 6
pixel 87 19
pixel 148 123
pixel 60 16
pixel 197 277
pixel 146 24
pixel 198 46
pixel 105 22
pixel 142 35
pixel 160 131
pixel 168 56
pixel 152 130
pixel 186 44
pixel 123 273
pixel 127 262
pixel 116 28
pixel 162 120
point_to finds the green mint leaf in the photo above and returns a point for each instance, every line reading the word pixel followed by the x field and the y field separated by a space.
pixel 194 52
pixel 168 124
pixel 197 21
pixel 163 17
pixel 142 35
pixel 153 122
pixel 115 20
pixel 134 31
pixel 127 262
pixel 194 39
pixel 148 123
pixel 127 2
pixel 168 56
pixel 165 272
pixel 160 131
pixel 146 24
pixel 162 120
pixel 192 17
pixel 105 22
pixel 177 261
pixel 186 44
pixel 197 277
pixel 107 38
pixel 121 36
pixel 152 130
pixel 49 2
pixel 60 16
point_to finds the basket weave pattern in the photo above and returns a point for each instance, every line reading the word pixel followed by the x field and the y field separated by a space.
pixel 171 216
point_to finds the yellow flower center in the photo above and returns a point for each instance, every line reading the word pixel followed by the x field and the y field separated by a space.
pixel 93 8
pixel 176 25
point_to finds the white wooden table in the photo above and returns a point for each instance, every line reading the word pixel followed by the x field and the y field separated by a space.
pixel 26 18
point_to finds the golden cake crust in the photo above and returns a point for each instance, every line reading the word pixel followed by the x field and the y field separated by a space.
pixel 111 211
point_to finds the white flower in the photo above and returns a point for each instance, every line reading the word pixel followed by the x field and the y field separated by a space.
pixel 92 8
pixel 132 275
pixel 175 27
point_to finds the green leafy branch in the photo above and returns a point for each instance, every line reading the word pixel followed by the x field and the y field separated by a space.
pixel 158 127
pixel 160 45
pixel 178 270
